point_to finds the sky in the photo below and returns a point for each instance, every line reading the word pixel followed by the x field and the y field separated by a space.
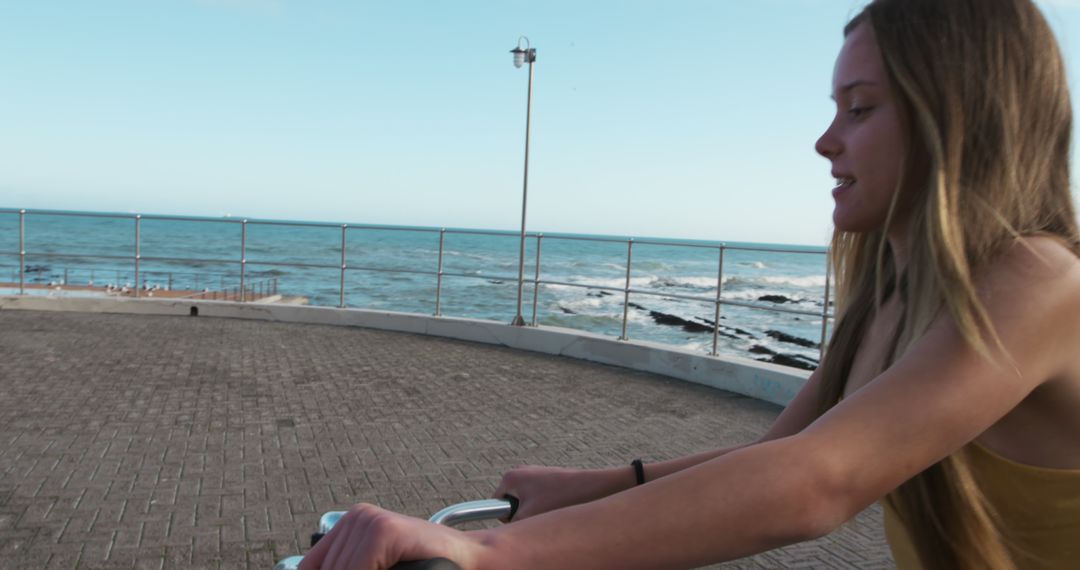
pixel 681 118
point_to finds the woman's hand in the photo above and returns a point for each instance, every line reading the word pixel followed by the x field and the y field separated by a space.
pixel 543 489
pixel 370 538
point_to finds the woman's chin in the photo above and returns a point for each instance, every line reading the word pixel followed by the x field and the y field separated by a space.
pixel 845 222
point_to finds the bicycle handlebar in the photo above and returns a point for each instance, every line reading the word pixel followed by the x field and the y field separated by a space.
pixel 450 516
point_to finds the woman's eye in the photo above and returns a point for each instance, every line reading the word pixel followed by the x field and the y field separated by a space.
pixel 858 112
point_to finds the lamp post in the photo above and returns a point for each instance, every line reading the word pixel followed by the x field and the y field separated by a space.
pixel 522 56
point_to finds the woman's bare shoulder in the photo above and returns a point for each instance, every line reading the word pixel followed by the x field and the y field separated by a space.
pixel 1032 290
pixel 1039 268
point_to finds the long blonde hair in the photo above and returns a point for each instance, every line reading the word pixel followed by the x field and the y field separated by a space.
pixel 982 91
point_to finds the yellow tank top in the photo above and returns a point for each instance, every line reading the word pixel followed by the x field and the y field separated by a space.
pixel 1039 506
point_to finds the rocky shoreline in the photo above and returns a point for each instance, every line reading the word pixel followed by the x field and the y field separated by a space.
pixel 758 351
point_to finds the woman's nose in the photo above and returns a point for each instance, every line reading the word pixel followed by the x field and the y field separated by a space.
pixel 828 145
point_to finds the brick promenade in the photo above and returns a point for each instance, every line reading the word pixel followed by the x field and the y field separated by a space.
pixel 178 442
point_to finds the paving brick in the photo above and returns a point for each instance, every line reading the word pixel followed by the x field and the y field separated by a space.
pixel 161 442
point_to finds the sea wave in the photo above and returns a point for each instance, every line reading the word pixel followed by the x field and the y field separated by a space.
pixel 756 294
pixel 801 281
pixel 754 264
pixel 700 283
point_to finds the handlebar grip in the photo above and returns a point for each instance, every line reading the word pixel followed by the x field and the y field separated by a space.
pixel 433 564
pixel 514 504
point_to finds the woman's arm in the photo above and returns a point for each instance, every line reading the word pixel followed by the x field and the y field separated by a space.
pixel 544 489
pixel 798 414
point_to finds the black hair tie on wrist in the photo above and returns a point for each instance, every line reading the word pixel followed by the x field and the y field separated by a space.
pixel 639 471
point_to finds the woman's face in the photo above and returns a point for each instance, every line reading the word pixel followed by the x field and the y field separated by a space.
pixel 865 142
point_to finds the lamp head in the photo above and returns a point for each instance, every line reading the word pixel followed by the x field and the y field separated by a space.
pixel 519 56
pixel 523 55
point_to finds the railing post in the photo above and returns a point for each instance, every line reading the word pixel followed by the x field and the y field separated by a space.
pixel 536 278
pixel 243 256
pixel 170 279
pixel 438 274
pixel 719 288
pixel 626 290
pixel 825 309
pixel 341 288
pixel 138 251
pixel 65 276
pixel 22 250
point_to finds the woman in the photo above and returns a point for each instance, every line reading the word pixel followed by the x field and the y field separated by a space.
pixel 952 383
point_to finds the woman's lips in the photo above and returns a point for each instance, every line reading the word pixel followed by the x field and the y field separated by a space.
pixel 843 186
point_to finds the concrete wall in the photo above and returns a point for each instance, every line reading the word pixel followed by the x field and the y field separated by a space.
pixel 764 381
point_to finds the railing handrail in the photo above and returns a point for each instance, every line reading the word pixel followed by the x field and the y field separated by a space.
pixel 420 229
pixel 720 247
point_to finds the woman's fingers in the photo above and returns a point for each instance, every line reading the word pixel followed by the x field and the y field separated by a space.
pixel 339 538
pixel 504 485
pixel 517 487
pixel 378 548
pixel 370 538
pixel 343 543
pixel 318 553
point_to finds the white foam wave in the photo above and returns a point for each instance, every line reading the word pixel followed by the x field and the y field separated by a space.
pixel 800 282
pixel 465 254
pixel 585 304
pixel 609 282
pixel 804 281
pixel 685 282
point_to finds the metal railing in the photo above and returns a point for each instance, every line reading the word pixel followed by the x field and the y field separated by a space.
pixel 243 292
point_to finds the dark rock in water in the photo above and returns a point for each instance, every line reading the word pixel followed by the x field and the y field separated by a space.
pixel 37 268
pixel 791 339
pixel 725 331
pixel 637 306
pixel 793 360
pixel 664 319
pixel 779 299
pixel 744 333
pixel 688 326
pixel 567 311
pixel 599 294
pixel 495 282
pixel 606 293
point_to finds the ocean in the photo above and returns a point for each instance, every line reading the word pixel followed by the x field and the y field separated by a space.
pixel 394 268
